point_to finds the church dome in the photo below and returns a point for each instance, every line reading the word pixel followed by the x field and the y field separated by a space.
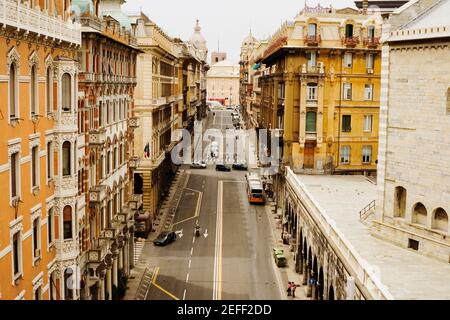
pixel 197 38
pixel 250 39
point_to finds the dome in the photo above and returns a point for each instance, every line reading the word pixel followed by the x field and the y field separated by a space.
pixel 84 6
pixel 250 39
pixel 113 8
pixel 197 38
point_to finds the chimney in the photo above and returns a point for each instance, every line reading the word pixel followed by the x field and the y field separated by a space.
pixel 365 6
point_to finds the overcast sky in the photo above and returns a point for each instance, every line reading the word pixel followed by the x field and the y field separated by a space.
pixel 227 21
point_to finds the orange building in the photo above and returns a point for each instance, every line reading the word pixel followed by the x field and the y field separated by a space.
pixel 38 76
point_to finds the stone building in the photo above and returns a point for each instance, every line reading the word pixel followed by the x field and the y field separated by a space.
pixel 170 95
pixel 218 57
pixel 414 179
pixel 222 81
pixel 107 64
pixel 39 242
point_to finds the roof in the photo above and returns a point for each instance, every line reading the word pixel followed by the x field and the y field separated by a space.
pixel 404 273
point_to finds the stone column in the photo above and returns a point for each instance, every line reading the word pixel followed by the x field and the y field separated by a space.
pixel 102 289
pixel 305 273
pixel 121 258
pixel 115 272
pixel 125 258
pixel 108 285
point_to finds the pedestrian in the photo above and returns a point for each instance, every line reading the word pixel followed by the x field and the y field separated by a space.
pixel 289 289
pixel 294 286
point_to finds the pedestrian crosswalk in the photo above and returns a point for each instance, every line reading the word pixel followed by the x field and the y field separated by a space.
pixel 138 247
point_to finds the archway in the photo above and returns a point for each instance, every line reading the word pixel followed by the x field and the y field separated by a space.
pixel 331 293
pixel 320 284
pixel 400 202
pixel 440 220
pixel 420 214
pixel 314 275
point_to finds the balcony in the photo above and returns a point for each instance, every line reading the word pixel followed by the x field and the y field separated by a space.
pixel 350 42
pixel 67 249
pixel 311 136
pixel 133 122
pixel 66 186
pixel 372 42
pixel 97 138
pixel 159 101
pixel 21 17
pixel 312 41
pixel 66 121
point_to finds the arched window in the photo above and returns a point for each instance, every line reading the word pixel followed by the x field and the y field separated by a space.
pixel 67 223
pixel 66 158
pixel 310 121
pixel 420 214
pixel 33 91
pixel 440 220
pixel 371 32
pixel 400 202
pixel 13 91
pixel 312 30
pixel 66 92
pixel 49 84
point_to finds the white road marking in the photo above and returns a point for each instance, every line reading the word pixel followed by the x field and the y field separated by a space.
pixel 187 277
pixel 189 264
pixel 193 239
pixel 192 250
pixel 184 294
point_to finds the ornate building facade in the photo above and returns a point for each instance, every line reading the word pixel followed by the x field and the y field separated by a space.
pixel 105 140
pixel 223 82
pixel 39 241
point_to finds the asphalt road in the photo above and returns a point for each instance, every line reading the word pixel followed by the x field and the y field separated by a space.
pixel 233 257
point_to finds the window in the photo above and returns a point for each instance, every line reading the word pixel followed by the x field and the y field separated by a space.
pixel 17 254
pixel 34 167
pixel 38 293
pixel 312 91
pixel 420 214
pixel 67 216
pixel 413 244
pixel 36 239
pixel 13 99
pixel 345 154
pixel 348 60
pixel 347 91
pixel 66 92
pixel 15 175
pixel 66 158
pixel 49 161
pixel 33 91
pixel 440 220
pixel 100 114
pixel 400 202
pixel 50 228
pixel 310 121
pixel 108 162
pixel 312 59
pixel 281 90
pixel 368 92
pixel 367 154
pixel 368 123
pixel 349 31
pixel 312 29
pixel 369 61
pixel 371 32
pixel 68 284
pixel 346 123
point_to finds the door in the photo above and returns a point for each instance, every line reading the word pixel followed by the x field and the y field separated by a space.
pixel 308 162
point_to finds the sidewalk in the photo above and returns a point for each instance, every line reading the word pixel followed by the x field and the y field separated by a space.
pixel 287 273
pixel 137 283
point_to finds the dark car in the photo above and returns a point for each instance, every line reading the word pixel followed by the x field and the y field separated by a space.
pixel 165 238
pixel 240 167
pixel 222 167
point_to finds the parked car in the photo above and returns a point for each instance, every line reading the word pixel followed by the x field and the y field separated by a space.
pixel 240 167
pixel 198 165
pixel 165 238
pixel 230 108
pixel 222 167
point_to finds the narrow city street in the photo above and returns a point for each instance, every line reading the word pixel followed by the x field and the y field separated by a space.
pixel 232 259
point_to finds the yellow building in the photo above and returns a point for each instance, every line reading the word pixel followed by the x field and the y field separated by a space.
pixel 38 76
pixel 320 90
